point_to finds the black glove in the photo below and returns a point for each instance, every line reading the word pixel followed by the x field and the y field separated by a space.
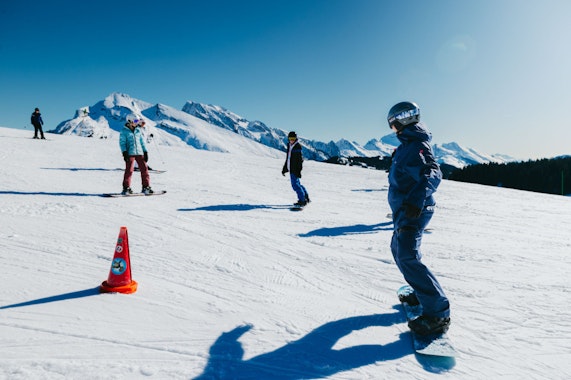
pixel 411 211
pixel 146 156
pixel 284 172
pixel 126 156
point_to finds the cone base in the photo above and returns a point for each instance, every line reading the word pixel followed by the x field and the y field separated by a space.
pixel 125 289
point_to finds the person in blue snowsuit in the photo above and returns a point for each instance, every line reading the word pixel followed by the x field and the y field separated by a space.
pixel 414 177
pixel 294 164
pixel 37 122
pixel 133 148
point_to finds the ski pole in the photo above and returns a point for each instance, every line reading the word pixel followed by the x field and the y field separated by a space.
pixel 157 146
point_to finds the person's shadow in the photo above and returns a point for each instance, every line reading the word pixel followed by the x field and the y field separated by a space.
pixel 349 230
pixel 312 356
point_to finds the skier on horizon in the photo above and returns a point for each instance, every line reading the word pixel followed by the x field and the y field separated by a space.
pixel 413 178
pixel 37 122
pixel 134 149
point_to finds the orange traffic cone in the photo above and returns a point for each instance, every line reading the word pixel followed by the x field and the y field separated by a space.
pixel 119 280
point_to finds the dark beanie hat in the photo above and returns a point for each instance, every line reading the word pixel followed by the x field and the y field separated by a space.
pixel 292 134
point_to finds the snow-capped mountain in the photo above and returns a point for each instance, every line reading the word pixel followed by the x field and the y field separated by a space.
pixel 223 118
pixel 458 156
pixel 211 127
pixel 164 125
pixel 385 146
pixel 256 130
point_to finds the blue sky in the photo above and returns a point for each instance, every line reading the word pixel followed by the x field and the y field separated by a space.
pixel 493 75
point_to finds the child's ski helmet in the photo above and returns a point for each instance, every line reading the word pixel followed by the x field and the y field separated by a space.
pixel 403 114
pixel 133 118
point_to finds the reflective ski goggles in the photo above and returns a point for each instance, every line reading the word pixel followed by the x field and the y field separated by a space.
pixel 404 115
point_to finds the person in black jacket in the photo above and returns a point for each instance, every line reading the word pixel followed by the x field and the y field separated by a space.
pixel 37 122
pixel 294 165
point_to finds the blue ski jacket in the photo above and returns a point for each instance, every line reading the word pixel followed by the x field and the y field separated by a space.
pixel 132 141
pixel 36 119
pixel 414 174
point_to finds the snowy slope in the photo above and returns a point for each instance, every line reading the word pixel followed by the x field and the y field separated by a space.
pixel 232 285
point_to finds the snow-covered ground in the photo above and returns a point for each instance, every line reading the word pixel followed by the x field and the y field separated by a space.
pixel 232 285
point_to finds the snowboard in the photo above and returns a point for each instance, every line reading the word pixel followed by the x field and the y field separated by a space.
pixel 119 195
pixel 298 208
pixel 152 171
pixel 437 344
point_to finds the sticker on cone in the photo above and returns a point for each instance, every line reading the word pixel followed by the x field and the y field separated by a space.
pixel 119 280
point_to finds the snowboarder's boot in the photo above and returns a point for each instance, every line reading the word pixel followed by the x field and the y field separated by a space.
pixel 425 325
pixel 409 299
pixel 147 190
pixel 127 191
pixel 300 203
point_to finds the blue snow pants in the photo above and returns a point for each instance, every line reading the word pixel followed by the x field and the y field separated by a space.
pixel 298 187
pixel 405 247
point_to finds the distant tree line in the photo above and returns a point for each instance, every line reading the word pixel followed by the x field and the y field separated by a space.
pixel 551 176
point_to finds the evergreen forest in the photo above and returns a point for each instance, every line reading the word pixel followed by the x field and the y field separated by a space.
pixel 551 176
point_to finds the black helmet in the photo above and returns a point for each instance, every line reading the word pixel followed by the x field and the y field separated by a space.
pixel 403 114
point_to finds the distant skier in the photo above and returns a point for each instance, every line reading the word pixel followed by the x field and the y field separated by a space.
pixel 134 149
pixel 413 177
pixel 294 165
pixel 37 122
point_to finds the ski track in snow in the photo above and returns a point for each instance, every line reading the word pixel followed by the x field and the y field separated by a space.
pixel 234 285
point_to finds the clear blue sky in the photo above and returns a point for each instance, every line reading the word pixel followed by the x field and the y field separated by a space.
pixel 493 75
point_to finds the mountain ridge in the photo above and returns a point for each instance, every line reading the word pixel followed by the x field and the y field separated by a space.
pixel 196 125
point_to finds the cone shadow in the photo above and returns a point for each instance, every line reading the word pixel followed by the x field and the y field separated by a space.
pixel 60 297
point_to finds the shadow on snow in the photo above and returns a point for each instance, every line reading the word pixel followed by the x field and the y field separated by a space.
pixel 48 193
pixel 349 230
pixel 371 190
pixel 86 169
pixel 312 356
pixel 59 297
pixel 236 207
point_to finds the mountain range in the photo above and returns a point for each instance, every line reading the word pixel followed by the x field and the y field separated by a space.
pixel 214 128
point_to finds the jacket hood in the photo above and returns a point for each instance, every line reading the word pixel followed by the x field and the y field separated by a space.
pixel 414 132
